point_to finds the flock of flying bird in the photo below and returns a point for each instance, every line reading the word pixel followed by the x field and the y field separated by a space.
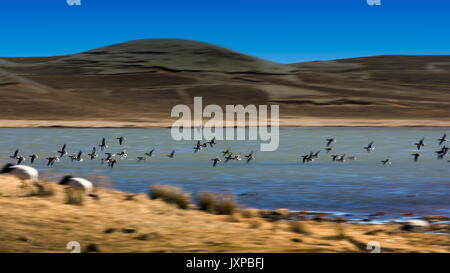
pixel 370 147
pixel 110 158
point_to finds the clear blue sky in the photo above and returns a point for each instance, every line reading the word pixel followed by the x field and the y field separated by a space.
pixel 281 31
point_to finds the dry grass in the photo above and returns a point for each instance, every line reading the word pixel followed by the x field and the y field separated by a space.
pixel 113 224
pixel 42 189
pixel 74 197
pixel 298 227
pixel 171 195
pixel 249 213
pixel 217 203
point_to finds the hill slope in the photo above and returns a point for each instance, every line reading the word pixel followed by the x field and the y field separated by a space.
pixel 138 83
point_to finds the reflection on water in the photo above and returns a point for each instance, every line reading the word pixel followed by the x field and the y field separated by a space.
pixel 274 179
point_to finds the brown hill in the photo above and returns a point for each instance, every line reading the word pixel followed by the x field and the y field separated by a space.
pixel 138 82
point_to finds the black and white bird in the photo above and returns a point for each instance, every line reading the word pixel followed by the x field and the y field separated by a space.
pixel 212 142
pixel 123 154
pixel 63 151
pixel 103 146
pixel 76 157
pixel 112 162
pixel 341 158
pixel 441 153
pixel 20 159
pixel 215 161
pixel 416 156
pixel 329 149
pixel 108 158
pixel 33 157
pixel 307 158
pixel 228 157
pixel 330 140
pixel 14 156
pixel 51 160
pixel 250 157
pixel 150 153
pixel 386 161
pixel 121 139
pixel 22 172
pixel 226 152
pixel 442 139
pixel 420 144
pixel 80 184
pixel 93 153
pixel 369 148
pixel 141 158
pixel 197 147
pixel 172 154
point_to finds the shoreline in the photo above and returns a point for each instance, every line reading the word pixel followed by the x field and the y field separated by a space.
pixel 106 224
pixel 284 122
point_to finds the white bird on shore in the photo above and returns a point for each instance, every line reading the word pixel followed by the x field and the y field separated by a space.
pixel 79 183
pixel 21 171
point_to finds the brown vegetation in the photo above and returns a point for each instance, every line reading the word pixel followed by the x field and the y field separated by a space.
pixel 117 223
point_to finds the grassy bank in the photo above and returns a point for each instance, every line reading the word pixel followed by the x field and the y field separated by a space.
pixel 33 220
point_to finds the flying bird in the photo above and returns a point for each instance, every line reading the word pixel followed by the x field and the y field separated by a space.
pixel 93 154
pixel 33 157
pixel 386 161
pixel 442 139
pixel 330 140
pixel 121 139
pixel 103 146
pixel 250 157
pixel 150 153
pixel 14 156
pixel 63 151
pixel 369 148
pixel 215 161
pixel 416 156
pixel 420 144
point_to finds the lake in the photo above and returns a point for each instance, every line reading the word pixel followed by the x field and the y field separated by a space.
pixel 274 179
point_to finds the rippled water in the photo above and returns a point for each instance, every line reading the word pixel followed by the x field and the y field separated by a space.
pixel 274 179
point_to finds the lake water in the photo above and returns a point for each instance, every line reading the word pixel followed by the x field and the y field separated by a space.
pixel 274 179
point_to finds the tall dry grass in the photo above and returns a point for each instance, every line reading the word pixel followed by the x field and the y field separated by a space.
pixel 170 194
pixel 217 203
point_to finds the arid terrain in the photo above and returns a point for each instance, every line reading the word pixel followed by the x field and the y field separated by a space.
pixel 135 84
pixel 120 222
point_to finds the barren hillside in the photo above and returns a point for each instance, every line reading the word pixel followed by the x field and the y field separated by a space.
pixel 138 82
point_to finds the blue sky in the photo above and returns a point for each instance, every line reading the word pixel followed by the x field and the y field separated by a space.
pixel 281 31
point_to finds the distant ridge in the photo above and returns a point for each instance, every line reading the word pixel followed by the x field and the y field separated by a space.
pixel 140 81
